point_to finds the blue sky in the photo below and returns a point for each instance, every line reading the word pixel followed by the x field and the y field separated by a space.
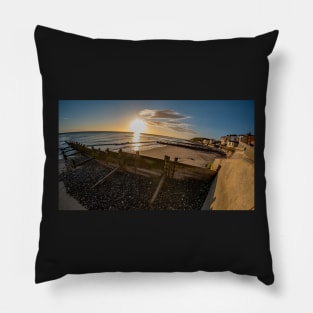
pixel 177 118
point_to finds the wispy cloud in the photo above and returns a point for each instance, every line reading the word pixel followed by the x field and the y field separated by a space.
pixel 164 114
pixel 167 119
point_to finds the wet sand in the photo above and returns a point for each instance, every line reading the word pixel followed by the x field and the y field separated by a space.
pixel 184 155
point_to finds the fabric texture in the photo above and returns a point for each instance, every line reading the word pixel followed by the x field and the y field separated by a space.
pixel 76 68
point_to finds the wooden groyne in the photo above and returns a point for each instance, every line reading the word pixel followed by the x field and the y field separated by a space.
pixel 192 146
pixel 157 183
pixel 139 164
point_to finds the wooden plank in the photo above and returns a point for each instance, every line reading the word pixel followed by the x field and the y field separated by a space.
pixel 166 165
pixel 158 189
pixel 173 168
pixel 83 162
pixel 105 177
pixel 191 146
pixel 67 149
pixel 64 155
pixel 68 155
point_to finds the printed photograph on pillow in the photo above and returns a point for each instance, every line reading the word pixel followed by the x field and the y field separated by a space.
pixel 165 155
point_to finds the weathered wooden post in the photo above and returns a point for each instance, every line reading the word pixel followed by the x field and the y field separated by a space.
pixel 73 163
pixel 162 179
pixel 166 165
pixel 174 167
pixel 107 151
pixel 120 158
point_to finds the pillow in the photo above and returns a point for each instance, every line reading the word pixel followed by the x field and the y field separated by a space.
pixel 154 155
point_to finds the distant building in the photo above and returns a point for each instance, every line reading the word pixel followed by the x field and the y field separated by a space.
pixel 232 143
pixel 248 139
pixel 240 137
pixel 223 140
pixel 230 140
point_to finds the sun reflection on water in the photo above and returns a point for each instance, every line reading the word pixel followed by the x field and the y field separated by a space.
pixel 137 126
pixel 136 140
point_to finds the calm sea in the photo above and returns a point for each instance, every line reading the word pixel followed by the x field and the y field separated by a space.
pixel 117 140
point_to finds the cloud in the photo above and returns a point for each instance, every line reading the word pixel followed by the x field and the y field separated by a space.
pixel 167 119
pixel 183 129
pixel 161 114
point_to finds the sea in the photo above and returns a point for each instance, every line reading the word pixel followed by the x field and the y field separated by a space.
pixel 127 141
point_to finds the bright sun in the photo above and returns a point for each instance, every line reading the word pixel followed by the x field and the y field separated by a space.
pixel 137 126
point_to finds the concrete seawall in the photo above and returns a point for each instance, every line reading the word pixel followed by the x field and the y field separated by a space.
pixel 233 186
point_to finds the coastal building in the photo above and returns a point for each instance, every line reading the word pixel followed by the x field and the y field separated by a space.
pixel 232 143
pixel 223 140
pixel 248 139
pixel 232 138
pixel 240 137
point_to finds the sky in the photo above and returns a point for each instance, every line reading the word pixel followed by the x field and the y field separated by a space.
pixel 176 118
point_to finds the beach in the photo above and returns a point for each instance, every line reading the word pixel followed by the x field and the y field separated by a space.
pixel 153 179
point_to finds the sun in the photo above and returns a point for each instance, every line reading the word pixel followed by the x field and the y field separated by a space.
pixel 137 126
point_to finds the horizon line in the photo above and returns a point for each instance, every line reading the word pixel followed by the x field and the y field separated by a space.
pixel 117 131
